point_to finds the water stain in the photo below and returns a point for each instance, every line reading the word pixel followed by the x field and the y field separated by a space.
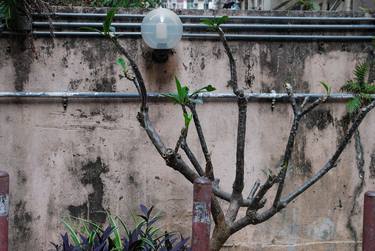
pixel 93 208
pixel 319 118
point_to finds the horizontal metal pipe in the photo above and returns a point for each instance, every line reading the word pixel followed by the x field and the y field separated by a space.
pixel 334 97
pixel 237 37
pixel 225 26
pixel 253 18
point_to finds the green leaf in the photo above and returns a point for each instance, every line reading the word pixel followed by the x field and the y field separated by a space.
pixel 121 62
pixel 208 22
pixel 210 88
pixel 207 88
pixel 84 28
pixel 91 238
pixel 148 242
pixel 187 118
pixel 178 87
pixel 214 23
pixel 172 96
pixel 72 233
pixel 327 87
pixel 108 21
pixel 370 89
pixel 365 96
pixel 96 226
pixel 354 104
pixel 360 73
pixel 116 232
pixel 182 92
pixel 351 86
pixel 221 20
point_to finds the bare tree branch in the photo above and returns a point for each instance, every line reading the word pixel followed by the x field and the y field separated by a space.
pixel 238 184
pixel 314 104
pixel 293 101
pixel 232 63
pixel 209 168
pixel 183 135
pixel 254 189
pixel 171 158
pixel 192 158
pixel 285 162
pixel 333 160
pixel 331 163
pixel 299 112
pixel 217 212
pixel 137 73
pixel 289 146
pixel 256 200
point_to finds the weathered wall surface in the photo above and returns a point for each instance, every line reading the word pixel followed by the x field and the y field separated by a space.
pixel 94 156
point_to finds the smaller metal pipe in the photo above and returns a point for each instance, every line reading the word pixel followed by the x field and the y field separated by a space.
pixel 368 243
pixel 252 97
pixel 4 210
pixel 200 240
pixel 224 26
pixel 207 36
pixel 253 18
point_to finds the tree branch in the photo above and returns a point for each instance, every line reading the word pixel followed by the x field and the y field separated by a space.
pixel 285 162
pixel 313 105
pixel 171 158
pixel 289 146
pixel 137 73
pixel 238 183
pixel 333 160
pixel 299 112
pixel 255 201
pixel 232 64
pixel 258 200
pixel 331 163
pixel 183 135
pixel 209 168
pixel 192 158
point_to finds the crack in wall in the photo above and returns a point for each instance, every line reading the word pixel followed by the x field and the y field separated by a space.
pixel 360 162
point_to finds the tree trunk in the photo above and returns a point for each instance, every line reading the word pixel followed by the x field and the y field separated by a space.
pixel 219 237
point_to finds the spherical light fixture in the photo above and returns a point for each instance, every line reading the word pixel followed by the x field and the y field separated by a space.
pixel 161 29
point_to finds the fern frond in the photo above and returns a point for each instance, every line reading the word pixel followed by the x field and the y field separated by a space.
pixel 365 96
pixel 351 86
pixel 354 104
pixel 360 72
pixel 369 89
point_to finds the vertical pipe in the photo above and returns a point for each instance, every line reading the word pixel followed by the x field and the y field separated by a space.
pixel 201 214
pixel 4 209
pixel 368 243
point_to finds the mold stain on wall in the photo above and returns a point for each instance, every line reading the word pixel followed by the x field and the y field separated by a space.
pixel 93 208
pixel 22 225
pixel 21 50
